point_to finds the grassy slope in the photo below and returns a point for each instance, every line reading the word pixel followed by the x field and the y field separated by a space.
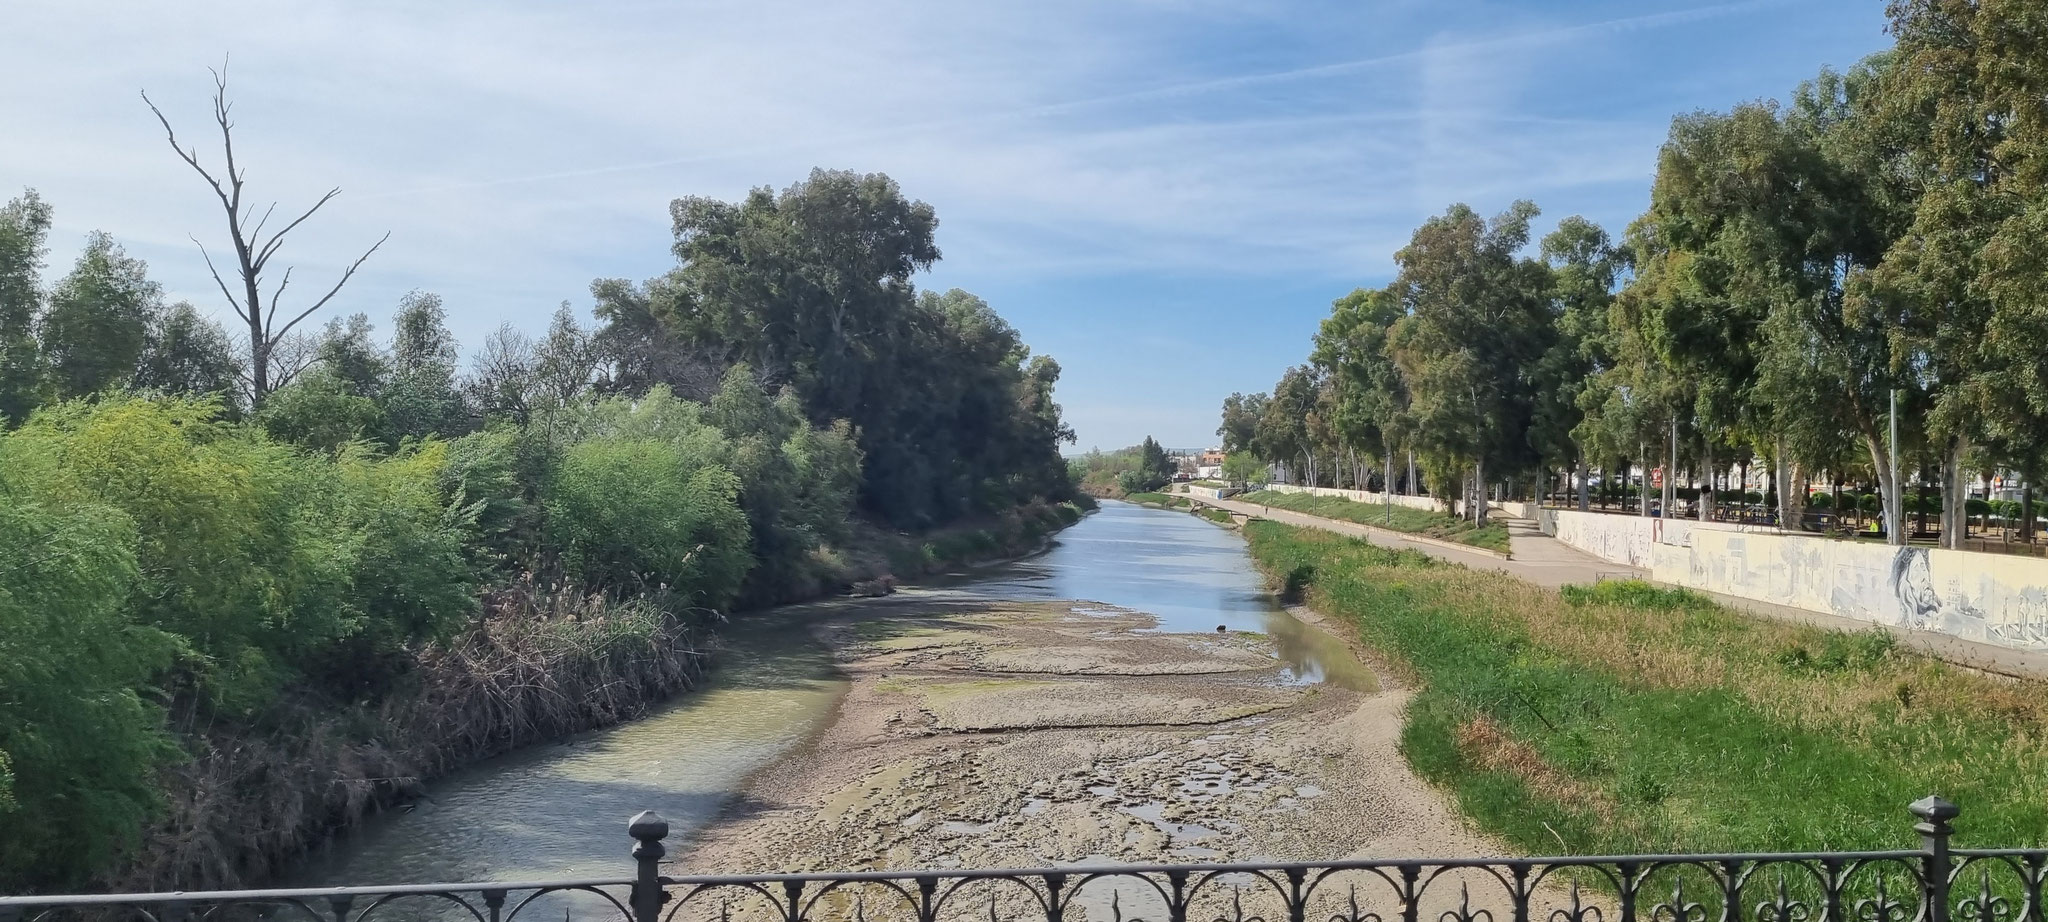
pixel 1623 718
pixel 1493 537
pixel 1157 499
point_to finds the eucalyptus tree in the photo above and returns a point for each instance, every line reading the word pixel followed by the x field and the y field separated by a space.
pixel 1478 318
pixel 1718 252
pixel 98 319
pixel 1963 97
pixel 1827 361
pixel 1239 429
pixel 24 227
pixel 1584 265
pixel 421 398
pixel 1372 398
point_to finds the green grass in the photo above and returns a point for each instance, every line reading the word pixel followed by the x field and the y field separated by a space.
pixel 1157 499
pixel 1214 514
pixel 1626 718
pixel 1494 537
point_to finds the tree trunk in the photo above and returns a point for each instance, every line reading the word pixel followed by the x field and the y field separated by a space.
pixel 1476 494
pixel 1920 516
pixel 2027 508
pixel 1706 494
pixel 1388 493
pixel 1890 491
pixel 1791 487
pixel 1579 474
pixel 1955 512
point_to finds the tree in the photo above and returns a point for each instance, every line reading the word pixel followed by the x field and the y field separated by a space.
pixel 184 354
pixel 1372 398
pixel 98 320
pixel 1584 266
pixel 1477 320
pixel 421 399
pixel 24 225
pixel 502 381
pixel 253 253
pixel 1240 427
pixel 348 352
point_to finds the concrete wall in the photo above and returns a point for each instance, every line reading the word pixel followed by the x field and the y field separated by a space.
pixel 1991 598
pixel 1360 496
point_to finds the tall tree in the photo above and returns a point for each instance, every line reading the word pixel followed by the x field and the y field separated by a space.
pixel 98 320
pixel 1478 319
pixel 1372 398
pixel 1584 266
pixel 1240 427
pixel 253 253
pixel 421 399
pixel 24 225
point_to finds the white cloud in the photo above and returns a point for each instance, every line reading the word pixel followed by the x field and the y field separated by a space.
pixel 517 151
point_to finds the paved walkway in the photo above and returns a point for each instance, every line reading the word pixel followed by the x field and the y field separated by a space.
pixel 1548 562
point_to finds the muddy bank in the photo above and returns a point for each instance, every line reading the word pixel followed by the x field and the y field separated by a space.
pixel 980 733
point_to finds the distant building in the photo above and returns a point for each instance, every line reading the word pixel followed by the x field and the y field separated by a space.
pixel 1212 457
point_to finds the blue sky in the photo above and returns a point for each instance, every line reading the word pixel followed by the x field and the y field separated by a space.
pixel 1163 194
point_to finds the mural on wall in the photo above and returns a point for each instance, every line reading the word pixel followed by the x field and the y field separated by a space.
pixel 1989 598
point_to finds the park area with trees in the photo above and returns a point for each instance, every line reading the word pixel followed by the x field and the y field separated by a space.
pixel 1803 264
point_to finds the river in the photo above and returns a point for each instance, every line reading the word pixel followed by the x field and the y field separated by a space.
pixel 559 810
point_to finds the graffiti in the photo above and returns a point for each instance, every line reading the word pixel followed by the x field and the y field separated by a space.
pixel 1921 605
pixel 1988 598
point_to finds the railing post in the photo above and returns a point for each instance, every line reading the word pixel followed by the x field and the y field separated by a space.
pixel 647 830
pixel 1934 830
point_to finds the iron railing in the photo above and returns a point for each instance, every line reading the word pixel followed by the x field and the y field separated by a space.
pixel 1935 883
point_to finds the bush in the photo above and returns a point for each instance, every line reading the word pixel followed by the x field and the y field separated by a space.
pixel 1820 501
pixel 629 512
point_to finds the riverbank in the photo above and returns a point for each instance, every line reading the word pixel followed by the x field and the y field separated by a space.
pixel 541 663
pixel 1534 704
pixel 994 733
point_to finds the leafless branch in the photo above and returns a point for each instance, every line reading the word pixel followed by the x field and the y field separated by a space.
pixel 264 252
pixel 190 157
pixel 331 291
pixel 271 315
pixel 217 280
pixel 257 231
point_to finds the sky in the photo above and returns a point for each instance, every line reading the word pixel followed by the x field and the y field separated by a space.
pixel 1164 195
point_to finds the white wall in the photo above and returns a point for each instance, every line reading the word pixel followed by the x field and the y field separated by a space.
pixel 1991 598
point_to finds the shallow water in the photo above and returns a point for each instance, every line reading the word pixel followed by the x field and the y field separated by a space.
pixel 559 810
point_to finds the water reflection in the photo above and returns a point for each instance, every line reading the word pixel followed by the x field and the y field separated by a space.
pixel 1190 573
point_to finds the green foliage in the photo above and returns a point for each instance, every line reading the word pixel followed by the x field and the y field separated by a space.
pixel 79 745
pixel 1242 467
pixel 639 512
pixel 1533 709
pixel 1140 468
pixel 98 320
pixel 319 412
pixel 953 415
pixel 24 226
pixel 1493 536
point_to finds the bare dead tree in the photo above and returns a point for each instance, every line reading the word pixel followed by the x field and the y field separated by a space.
pixel 253 252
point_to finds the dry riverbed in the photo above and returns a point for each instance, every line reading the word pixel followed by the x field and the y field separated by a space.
pixel 1025 734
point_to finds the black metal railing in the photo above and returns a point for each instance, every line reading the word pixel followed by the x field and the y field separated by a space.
pixel 1934 883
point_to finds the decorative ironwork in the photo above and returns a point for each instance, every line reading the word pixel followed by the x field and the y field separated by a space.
pixel 1989 885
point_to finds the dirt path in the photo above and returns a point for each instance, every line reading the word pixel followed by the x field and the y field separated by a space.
pixel 979 734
